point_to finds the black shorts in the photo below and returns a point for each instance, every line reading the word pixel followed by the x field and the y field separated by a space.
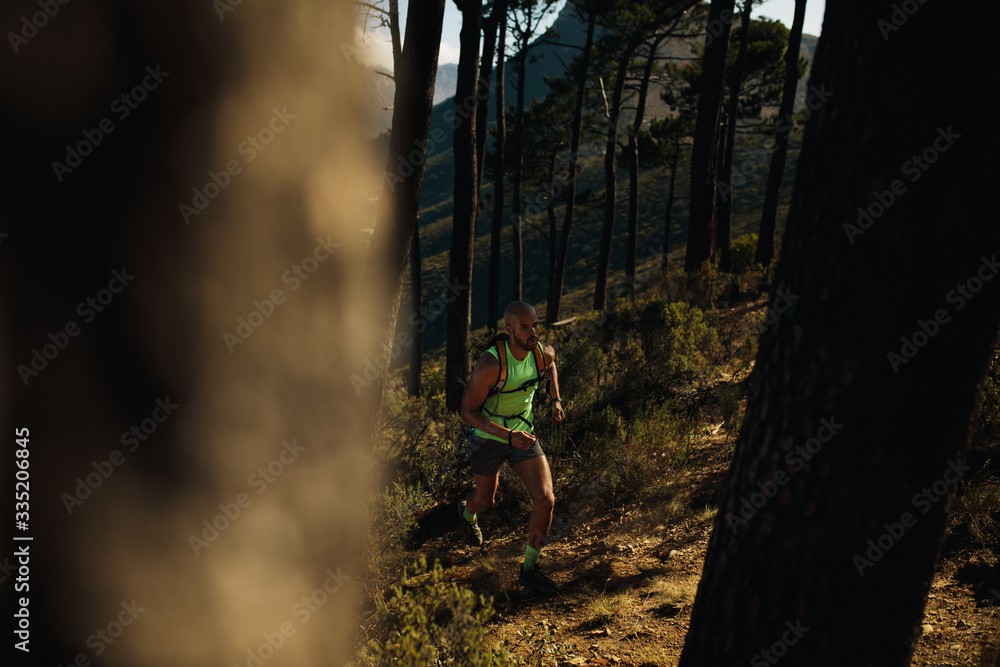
pixel 487 454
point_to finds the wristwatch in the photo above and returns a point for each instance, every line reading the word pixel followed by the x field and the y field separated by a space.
pixel 557 399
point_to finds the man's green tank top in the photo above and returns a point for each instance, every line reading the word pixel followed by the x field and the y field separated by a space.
pixel 514 403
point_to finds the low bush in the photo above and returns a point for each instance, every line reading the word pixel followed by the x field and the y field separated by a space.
pixel 433 621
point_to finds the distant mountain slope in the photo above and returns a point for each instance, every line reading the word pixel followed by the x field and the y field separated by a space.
pixel 436 201
pixel 382 89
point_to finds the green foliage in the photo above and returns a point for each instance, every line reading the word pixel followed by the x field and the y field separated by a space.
pixel 433 622
pixel 978 506
pixel 677 342
pixel 763 76
pixel 741 253
pixel 660 441
pixel 729 402
pixel 396 513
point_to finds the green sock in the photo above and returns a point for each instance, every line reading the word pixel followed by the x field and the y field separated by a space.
pixel 471 518
pixel 531 557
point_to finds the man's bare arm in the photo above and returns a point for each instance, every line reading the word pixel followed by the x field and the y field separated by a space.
pixel 549 355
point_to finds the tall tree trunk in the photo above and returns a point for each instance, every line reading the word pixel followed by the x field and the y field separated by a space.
pixel 668 222
pixel 490 26
pixel 723 219
pixel 416 304
pixel 397 44
pixel 867 383
pixel 701 232
pixel 411 123
pixel 522 72
pixel 499 166
pixel 632 157
pixel 574 153
pixel 724 203
pixel 457 368
pixel 553 226
pixel 611 173
pixel 783 128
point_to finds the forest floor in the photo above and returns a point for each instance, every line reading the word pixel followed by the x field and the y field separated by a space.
pixel 628 581
pixel 628 575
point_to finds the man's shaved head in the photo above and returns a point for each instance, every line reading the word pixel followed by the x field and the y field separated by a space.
pixel 522 325
pixel 518 310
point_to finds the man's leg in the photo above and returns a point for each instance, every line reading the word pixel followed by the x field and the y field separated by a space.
pixel 482 496
pixel 535 474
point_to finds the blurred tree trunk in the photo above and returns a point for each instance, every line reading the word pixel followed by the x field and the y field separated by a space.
pixel 632 158
pixel 867 384
pixel 574 153
pixel 499 166
pixel 457 368
pixel 611 171
pixel 417 304
pixel 783 128
pixel 701 221
pixel 725 177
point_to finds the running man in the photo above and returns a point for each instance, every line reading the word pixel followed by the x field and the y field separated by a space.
pixel 502 429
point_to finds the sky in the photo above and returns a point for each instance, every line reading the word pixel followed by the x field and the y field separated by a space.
pixel 782 10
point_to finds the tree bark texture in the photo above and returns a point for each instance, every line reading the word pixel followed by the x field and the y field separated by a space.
pixel 870 370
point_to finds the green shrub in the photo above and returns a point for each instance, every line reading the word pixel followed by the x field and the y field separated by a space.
pixel 729 403
pixel 741 253
pixel 977 507
pixel 433 622
pixel 396 514
pixel 677 341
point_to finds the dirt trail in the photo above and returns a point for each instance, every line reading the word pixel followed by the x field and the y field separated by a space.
pixel 628 580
